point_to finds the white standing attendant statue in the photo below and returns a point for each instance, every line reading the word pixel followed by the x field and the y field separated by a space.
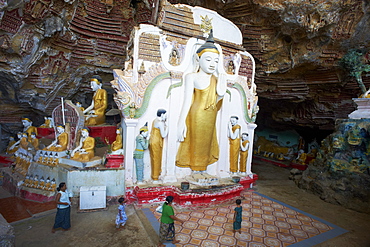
pixel 158 133
pixel 244 149
pixel 233 132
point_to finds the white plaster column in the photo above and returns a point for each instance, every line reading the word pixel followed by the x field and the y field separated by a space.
pixel 250 127
pixel 170 145
pixel 223 140
pixel 129 150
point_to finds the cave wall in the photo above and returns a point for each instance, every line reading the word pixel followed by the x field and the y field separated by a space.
pixel 50 48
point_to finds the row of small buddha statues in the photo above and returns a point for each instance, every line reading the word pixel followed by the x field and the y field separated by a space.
pixel 22 162
pixel 34 182
pixel 49 159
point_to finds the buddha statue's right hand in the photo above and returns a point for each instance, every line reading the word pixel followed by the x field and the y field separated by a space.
pixel 181 132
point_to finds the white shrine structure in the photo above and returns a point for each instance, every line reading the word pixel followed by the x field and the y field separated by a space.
pixel 159 59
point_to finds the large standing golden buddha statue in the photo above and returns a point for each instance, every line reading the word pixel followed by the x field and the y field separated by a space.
pixel 202 100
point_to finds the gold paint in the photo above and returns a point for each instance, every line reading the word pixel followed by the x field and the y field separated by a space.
pixel 200 147
pixel 208 50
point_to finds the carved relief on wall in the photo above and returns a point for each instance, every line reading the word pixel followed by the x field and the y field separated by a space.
pixel 11 21
pixel 246 66
pixel 5 41
pixel 27 42
pixel 149 49
pixel 36 10
pixel 348 21
pixel 40 74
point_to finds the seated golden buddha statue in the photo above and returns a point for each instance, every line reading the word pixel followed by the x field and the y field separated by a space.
pixel 9 149
pixel 95 113
pixel 85 150
pixel 117 144
pixel 61 142
pixel 46 124
pixel 27 126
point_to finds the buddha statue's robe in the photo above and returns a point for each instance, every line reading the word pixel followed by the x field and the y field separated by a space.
pixel 11 151
pixel 100 105
pixel 156 150
pixel 31 129
pixel 200 147
pixel 243 158
pixel 35 143
pixel 24 143
pixel 46 124
pixel 88 145
pixel 117 144
pixel 62 141
pixel 234 150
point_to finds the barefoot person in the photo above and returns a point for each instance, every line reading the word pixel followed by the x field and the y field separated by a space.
pixel 121 217
pixel 62 218
pixel 238 217
pixel 167 227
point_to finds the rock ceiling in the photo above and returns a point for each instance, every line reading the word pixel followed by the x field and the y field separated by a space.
pixel 50 48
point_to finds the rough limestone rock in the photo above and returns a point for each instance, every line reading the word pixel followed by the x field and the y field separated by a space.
pixel 7 237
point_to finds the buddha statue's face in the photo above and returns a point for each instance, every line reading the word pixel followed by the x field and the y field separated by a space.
pixel 208 62
pixel 244 137
pixel 118 132
pixel 94 85
pixel 233 121
pixel 19 135
pixel 60 129
pixel 26 123
pixel 85 133
pixel 164 116
pixel 144 134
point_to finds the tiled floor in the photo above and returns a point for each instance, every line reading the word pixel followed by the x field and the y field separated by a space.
pixel 266 222
pixel 15 209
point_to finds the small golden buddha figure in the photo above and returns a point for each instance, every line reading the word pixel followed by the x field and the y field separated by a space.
pixel 30 182
pixel 174 59
pixel 117 144
pixel 13 148
pixel 24 141
pixel 53 185
pixel 302 156
pixel 85 150
pixel 49 160
pixel 26 182
pixel 35 182
pixel 132 110
pixel 34 141
pixel 78 104
pixel 39 160
pixel 46 124
pixel 55 160
pixel 95 113
pixel 11 143
pixel 61 141
pixel 230 67
pixel 41 183
pixel 47 184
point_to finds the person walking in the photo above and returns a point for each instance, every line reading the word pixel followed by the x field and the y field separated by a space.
pixel 238 216
pixel 63 216
pixel 167 226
